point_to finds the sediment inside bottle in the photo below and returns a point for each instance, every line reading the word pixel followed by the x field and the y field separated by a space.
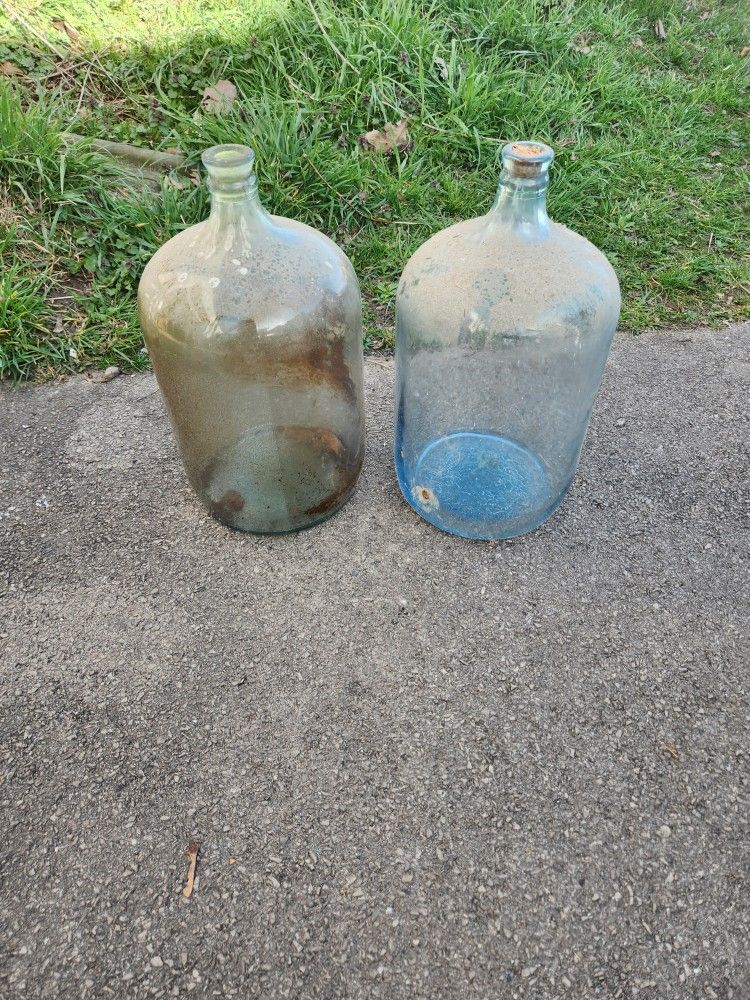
pixel 318 359
pixel 275 442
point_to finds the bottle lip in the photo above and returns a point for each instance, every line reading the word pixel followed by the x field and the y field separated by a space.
pixel 229 159
pixel 526 158
pixel 527 151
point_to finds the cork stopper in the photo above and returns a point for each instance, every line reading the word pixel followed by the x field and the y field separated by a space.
pixel 527 159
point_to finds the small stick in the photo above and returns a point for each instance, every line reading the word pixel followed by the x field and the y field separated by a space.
pixel 83 90
pixel 192 853
pixel 327 183
pixel 328 38
pixel 135 155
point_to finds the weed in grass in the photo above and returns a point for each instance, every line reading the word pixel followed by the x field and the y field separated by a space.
pixel 651 137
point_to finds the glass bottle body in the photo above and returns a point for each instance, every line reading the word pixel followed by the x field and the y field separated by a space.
pixel 253 326
pixel 503 328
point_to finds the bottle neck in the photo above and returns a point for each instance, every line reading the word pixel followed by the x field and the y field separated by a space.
pixel 237 204
pixel 234 191
pixel 521 204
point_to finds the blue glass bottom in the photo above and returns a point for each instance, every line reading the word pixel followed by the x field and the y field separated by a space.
pixel 478 486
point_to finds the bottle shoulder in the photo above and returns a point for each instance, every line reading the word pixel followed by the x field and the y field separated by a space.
pixel 487 277
pixel 276 244
pixel 474 244
pixel 259 276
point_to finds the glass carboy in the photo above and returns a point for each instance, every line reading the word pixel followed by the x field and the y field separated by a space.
pixel 504 324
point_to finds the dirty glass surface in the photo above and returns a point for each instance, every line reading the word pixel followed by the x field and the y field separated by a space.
pixel 504 324
pixel 253 325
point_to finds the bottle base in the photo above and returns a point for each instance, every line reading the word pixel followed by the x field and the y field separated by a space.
pixel 280 480
pixel 480 486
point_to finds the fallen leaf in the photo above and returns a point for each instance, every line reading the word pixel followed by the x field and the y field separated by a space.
pixel 66 29
pixel 659 30
pixel 391 138
pixel 192 854
pixel 442 67
pixel 671 749
pixel 581 43
pixel 219 98
pixel 9 69
pixel 744 51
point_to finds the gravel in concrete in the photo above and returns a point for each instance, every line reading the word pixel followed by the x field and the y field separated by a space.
pixel 417 766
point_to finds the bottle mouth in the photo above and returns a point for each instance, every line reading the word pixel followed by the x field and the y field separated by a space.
pixel 227 158
pixel 230 168
pixel 527 159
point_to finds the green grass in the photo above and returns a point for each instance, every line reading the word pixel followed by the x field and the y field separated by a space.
pixel 651 138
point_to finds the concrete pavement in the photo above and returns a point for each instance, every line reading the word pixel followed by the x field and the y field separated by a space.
pixel 417 766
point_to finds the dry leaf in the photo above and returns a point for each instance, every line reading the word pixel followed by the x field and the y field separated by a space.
pixel 671 749
pixel 582 43
pixel 744 51
pixel 59 25
pixel 391 138
pixel 192 854
pixel 9 69
pixel 219 98
pixel 442 67
pixel 659 30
